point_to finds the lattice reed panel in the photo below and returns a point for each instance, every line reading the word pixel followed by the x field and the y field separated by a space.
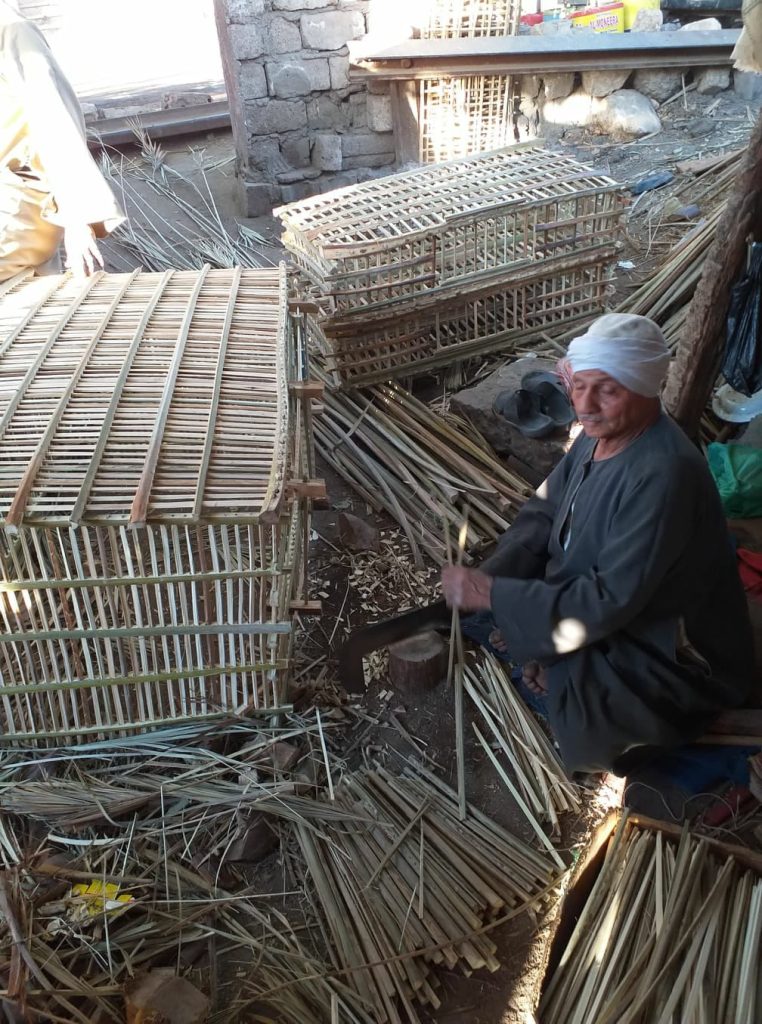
pixel 460 116
pixel 150 547
pixel 374 245
pixel 448 19
pixel 498 321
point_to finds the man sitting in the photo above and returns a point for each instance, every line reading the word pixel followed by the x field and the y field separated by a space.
pixel 617 587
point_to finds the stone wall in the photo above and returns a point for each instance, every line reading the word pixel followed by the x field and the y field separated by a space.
pixel 299 125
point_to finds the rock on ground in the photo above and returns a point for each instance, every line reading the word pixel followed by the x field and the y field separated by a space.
pixel 627 113
pixel 647 21
pixel 558 85
pixel 704 25
pixel 356 534
pixel 601 83
pixel 657 84
pixel 575 111
pixel 710 81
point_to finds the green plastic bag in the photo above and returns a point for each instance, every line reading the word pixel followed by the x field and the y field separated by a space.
pixel 737 471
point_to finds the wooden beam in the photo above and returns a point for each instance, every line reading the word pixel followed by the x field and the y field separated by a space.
pixel 702 342
pixel 303 306
pixel 314 489
pixel 406 121
pixel 307 388
pixel 307 607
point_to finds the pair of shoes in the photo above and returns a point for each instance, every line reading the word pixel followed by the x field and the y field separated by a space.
pixel 539 407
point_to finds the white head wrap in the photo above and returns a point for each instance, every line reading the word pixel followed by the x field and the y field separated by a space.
pixel 629 348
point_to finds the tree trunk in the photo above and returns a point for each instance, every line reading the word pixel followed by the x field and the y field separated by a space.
pixel 418 663
pixel 700 351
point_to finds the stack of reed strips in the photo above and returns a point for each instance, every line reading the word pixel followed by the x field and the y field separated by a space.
pixel 151 547
pixel 670 932
pixel 542 788
pixel 408 885
pixel 421 468
pixel 463 115
pixel 424 267
pixel 467 19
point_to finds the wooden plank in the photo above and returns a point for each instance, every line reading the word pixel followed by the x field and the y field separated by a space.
pixel 139 510
pixel 307 388
pixel 406 121
pixel 314 489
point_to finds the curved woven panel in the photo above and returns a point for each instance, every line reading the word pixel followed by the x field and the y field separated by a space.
pixel 452 19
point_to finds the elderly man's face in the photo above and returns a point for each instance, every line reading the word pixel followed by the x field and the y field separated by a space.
pixel 606 409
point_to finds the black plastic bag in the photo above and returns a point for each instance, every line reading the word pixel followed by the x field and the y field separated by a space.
pixel 742 363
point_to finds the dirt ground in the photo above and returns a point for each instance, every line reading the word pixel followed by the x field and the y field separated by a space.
pixel 378 723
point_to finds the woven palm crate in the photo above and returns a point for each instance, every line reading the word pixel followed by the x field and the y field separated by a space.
pixel 463 115
pixel 451 19
pixel 150 546
pixel 385 257
pixel 437 336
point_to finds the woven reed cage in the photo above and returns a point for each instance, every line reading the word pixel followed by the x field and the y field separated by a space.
pixel 452 19
pixel 152 537
pixel 420 268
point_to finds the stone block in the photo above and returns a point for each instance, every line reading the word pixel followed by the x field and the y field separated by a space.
pixel 265 156
pixel 626 113
pixel 657 84
pixel 558 85
pixel 296 152
pixel 369 160
pixel 260 199
pixel 299 5
pixel 379 110
pixel 367 145
pixel 530 86
pixel 288 80
pixel 326 152
pixel 247 41
pixel 295 174
pixel 703 25
pixel 575 111
pixel 241 12
pixel 602 83
pixel 710 81
pixel 324 112
pixel 331 30
pixel 301 190
pixel 540 455
pixel 648 21
pixel 331 181
pixel 252 80
pixel 282 36
pixel 339 68
pixel 747 85
pixel 89 111
pixel 270 117
pixel 358 110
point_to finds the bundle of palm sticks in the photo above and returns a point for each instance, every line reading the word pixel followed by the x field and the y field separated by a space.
pixel 408 885
pixel 420 467
pixel 670 934
pixel 538 781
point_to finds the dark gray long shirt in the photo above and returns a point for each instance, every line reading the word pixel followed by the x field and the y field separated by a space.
pixel 604 576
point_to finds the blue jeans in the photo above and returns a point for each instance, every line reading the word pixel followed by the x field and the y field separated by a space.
pixel 477 627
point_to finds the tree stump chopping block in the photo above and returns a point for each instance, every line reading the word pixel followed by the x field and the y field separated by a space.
pixel 418 663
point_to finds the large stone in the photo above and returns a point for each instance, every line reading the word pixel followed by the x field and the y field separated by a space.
pixel 357 534
pixel 274 116
pixel 647 20
pixel 326 152
pixel 339 72
pixel 358 110
pixel 369 160
pixel 324 111
pixel 710 81
pixel 241 12
pixel 282 36
pixel 253 80
pixel 247 41
pixel 366 144
pixel 331 30
pixel 298 5
pixel 575 111
pixel 626 113
pixel 558 85
pixel 295 174
pixel 346 178
pixel 297 152
pixel 703 25
pixel 657 84
pixel 298 79
pixel 530 86
pixel 301 190
pixel 747 85
pixel 260 198
pixel 602 83
pixel 536 455
pixel 265 156
pixel 379 109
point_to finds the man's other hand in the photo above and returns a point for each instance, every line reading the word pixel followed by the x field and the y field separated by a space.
pixel 534 678
pixel 466 589
pixel 83 257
